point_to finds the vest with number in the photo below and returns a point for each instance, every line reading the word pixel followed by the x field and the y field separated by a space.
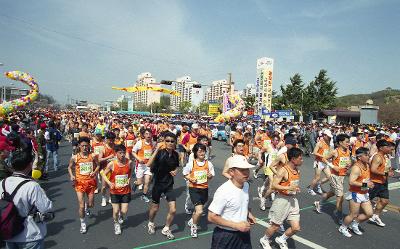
pixel 200 174
pixel 192 141
pixel 129 140
pixel 364 177
pixel 97 147
pixel 145 151
pixel 341 161
pixel 323 150
pixel 293 180
pixel 120 177
pixel 382 168
pixel 83 167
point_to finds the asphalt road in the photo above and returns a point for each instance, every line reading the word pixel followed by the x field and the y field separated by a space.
pixel 318 230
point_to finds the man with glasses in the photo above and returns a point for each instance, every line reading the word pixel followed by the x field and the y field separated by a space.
pixel 164 163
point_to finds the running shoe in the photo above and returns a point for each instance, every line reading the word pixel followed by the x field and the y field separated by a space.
pixel 190 223
pixel 120 220
pixel 317 206
pixel 259 191
pixel 354 227
pixel 343 230
pixel 319 189
pixel 103 202
pixel 193 231
pixel 265 243
pixel 375 219
pixel 255 174
pixel 117 228
pixel 262 204
pixel 151 228
pixel 88 213
pixel 168 233
pixel 145 198
pixel 282 228
pixel 96 191
pixel 83 228
pixel 281 242
pixel 272 197
pixel 310 191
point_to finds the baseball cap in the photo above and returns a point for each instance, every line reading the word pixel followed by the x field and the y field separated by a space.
pixel 290 140
pixel 43 126
pixel 5 146
pixel 240 162
pixel 328 133
pixel 195 126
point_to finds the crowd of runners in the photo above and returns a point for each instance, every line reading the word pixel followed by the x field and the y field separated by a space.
pixel 116 155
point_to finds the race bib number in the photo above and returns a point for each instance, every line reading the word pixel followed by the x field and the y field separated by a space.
pixel 274 156
pixel 267 143
pixel 121 181
pixel 326 153
pixel 294 183
pixel 343 162
pixel 201 176
pixel 129 143
pixel 147 154
pixel 98 149
pixel 76 135
pixel 85 168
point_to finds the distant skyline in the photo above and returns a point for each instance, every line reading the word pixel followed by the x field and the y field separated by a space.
pixel 82 48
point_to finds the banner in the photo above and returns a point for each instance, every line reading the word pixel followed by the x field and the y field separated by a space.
pixel 213 109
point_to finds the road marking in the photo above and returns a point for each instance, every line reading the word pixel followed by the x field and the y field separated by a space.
pixel 295 237
pixel 392 186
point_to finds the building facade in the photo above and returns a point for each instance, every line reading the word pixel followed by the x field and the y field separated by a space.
pixel 9 93
pixel 265 68
pixel 184 86
pixel 146 97
pixel 249 90
pixel 215 92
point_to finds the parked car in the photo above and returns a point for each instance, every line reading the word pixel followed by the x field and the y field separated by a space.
pixel 219 133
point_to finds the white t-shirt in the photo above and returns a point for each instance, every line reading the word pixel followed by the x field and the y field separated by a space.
pixel 189 166
pixel 231 203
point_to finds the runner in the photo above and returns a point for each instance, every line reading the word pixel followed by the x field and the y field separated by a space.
pixel 285 206
pixel 359 182
pixel 130 140
pixel 104 158
pixel 229 209
pixel 142 152
pixel 321 150
pixel 380 171
pixel 238 149
pixel 164 164
pixel 198 172
pixel 341 162
pixel 86 166
pixel 119 183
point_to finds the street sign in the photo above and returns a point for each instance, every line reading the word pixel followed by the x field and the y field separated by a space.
pixel 256 117
pixel 274 115
pixel 285 113
pixel 264 111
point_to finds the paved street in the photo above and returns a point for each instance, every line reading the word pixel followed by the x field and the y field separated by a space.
pixel 318 230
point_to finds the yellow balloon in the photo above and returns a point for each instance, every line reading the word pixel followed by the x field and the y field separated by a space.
pixel 36 174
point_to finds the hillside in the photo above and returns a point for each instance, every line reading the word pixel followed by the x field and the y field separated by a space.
pixel 388 101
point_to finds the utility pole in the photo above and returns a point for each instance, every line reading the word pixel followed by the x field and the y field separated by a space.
pixel 230 83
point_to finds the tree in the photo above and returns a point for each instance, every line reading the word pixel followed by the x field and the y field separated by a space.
pixel 140 107
pixel 249 101
pixel 292 93
pixel 165 102
pixel 320 94
pixel 123 105
pixel 203 108
pixel 185 106
pixel 277 101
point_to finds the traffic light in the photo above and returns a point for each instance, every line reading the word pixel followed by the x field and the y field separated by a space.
pixel 196 85
pixel 166 82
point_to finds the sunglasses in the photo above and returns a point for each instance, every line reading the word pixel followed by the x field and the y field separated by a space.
pixel 169 141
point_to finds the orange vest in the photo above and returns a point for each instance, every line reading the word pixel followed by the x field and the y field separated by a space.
pixel 381 169
pixel 107 152
pixel 357 144
pixel 83 167
pixel 293 179
pixel 341 161
pixel 145 151
pixel 322 151
pixel 183 134
pixel 200 174
pixel 97 147
pixel 192 141
pixel 129 141
pixel 362 178
pixel 120 177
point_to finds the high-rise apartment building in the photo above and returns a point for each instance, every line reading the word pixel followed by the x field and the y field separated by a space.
pixel 146 97
pixel 216 91
pixel 184 86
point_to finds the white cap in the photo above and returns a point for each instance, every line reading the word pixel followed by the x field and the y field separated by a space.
pixel 195 126
pixel 239 161
pixel 328 133
pixel 239 127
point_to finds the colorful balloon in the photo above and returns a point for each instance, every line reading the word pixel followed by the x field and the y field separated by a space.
pixel 236 111
pixel 36 174
pixel 11 106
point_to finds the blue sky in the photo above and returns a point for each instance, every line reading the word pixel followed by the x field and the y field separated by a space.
pixel 82 48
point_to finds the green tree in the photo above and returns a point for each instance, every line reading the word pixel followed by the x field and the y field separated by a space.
pixel 203 108
pixel 292 93
pixel 185 106
pixel 249 101
pixel 141 107
pixel 277 101
pixel 165 102
pixel 320 94
pixel 123 105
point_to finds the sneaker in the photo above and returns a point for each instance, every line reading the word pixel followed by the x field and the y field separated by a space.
pixel 317 206
pixel 255 174
pixel 262 204
pixel 282 243
pixel 168 233
pixel 103 202
pixel 282 228
pixel 96 191
pixel 397 170
pixel 343 230
pixel 187 211
pixel 265 243
pixel 120 220
pixel 259 191
pixel 193 231
pixel 83 228
pixel 151 228
pixel 190 223
pixel 272 197
pixel 109 201
pixel 117 228
pixel 140 186
pixel 145 198
pixel 310 191
pixel 354 227
pixel 375 219
pixel 319 189
pixel 87 213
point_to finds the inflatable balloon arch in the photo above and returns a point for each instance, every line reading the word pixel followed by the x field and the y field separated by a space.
pixel 237 105
pixel 8 107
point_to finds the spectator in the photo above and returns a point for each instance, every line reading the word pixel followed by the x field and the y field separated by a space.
pixel 53 137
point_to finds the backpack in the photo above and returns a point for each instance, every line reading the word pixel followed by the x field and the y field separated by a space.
pixel 11 223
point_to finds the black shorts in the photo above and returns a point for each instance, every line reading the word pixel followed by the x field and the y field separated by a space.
pixel 198 196
pixel 379 190
pixel 230 239
pixel 158 190
pixel 126 198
